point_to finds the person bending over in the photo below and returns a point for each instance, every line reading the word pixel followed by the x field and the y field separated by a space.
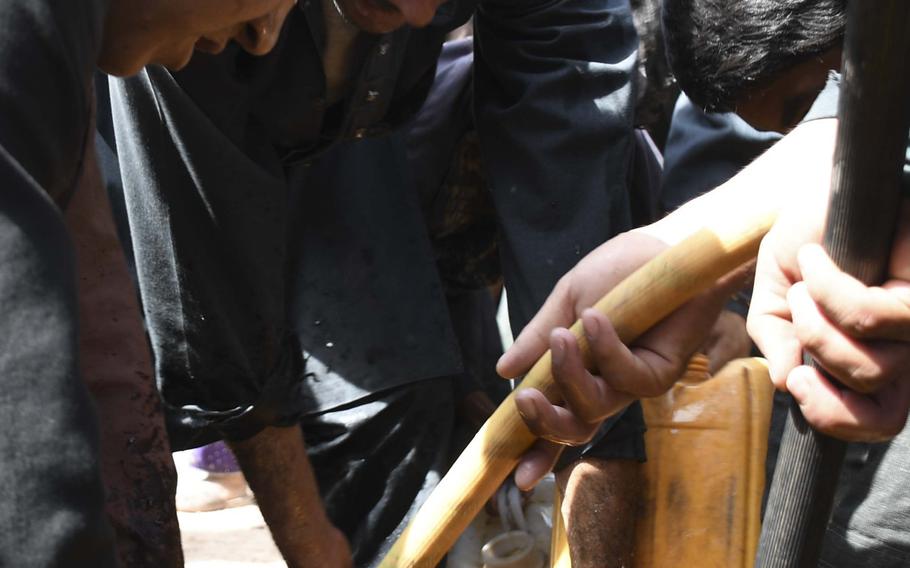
pixel 69 307
pixel 800 301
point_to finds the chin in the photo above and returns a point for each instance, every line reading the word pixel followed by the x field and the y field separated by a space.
pixel 369 17
pixel 119 66
pixel 176 59
pixel 122 63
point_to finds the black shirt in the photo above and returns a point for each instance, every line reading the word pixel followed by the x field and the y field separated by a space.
pixel 51 500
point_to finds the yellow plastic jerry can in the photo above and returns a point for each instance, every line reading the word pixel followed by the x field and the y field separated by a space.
pixel 706 442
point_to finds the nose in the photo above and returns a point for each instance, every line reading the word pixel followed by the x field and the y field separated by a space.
pixel 259 36
pixel 417 13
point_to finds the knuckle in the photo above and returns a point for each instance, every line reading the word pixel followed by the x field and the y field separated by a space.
pixel 866 377
pixel 810 335
pixel 564 287
pixel 862 323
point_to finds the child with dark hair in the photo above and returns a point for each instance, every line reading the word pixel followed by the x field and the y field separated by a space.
pixel 869 518
pixel 775 64
pixel 722 53
pixel 769 63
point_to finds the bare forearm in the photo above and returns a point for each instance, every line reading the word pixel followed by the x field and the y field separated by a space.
pixel 279 472
pixel 599 510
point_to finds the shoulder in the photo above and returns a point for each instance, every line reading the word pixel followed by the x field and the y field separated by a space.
pixel 47 56
pixel 68 30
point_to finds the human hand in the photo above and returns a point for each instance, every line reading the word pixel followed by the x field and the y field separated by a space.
pixel 860 334
pixel 647 368
pixel 727 341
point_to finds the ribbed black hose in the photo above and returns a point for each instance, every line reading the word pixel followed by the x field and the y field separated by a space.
pixel 874 117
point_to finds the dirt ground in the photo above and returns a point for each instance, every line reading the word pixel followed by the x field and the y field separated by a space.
pixel 228 539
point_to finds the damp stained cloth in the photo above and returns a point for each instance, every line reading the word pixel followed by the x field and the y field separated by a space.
pixel 51 498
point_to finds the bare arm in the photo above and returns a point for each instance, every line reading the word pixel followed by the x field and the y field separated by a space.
pixel 279 472
pixel 796 169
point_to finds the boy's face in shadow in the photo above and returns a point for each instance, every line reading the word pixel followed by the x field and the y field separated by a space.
pixel 781 104
pixel 384 16
pixel 167 32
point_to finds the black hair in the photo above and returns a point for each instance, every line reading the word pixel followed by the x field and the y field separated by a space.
pixel 720 49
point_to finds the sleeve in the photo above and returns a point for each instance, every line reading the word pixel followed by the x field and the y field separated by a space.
pixel 554 104
pixel 706 149
pixel 825 105
pixel 51 498
pixel 209 233
pixel 48 55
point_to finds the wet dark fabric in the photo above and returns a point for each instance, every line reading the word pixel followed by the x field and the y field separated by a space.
pixel 51 499
pixel 368 305
pixel 106 152
pixel 212 156
pixel 553 108
pixel 50 488
pixel 644 180
pixel 473 315
pixel 211 262
pixel 377 461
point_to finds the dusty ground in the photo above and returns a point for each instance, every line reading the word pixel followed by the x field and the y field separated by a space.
pixel 228 539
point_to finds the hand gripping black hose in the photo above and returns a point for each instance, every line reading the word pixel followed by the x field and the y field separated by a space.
pixel 874 117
